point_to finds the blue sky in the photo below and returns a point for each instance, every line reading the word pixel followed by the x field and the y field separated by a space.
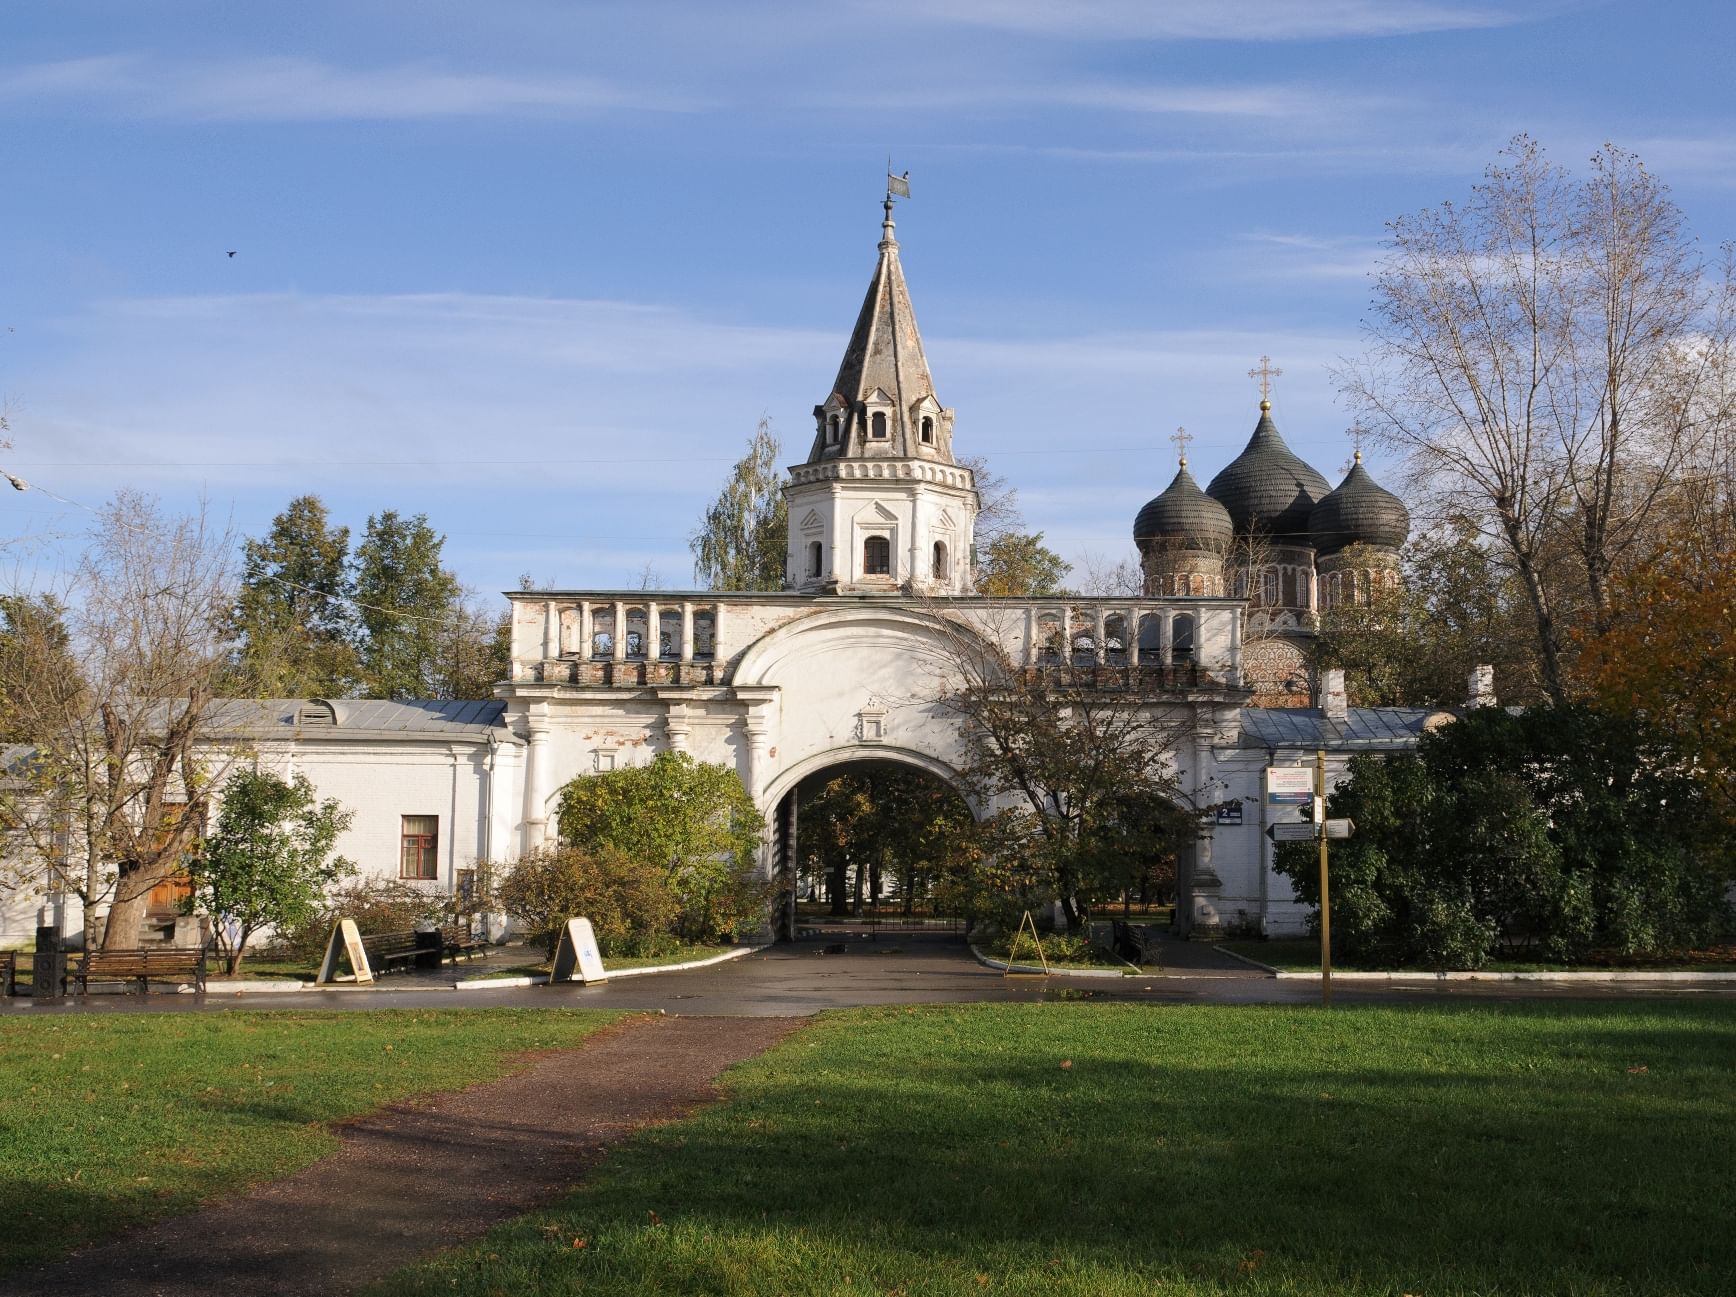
pixel 537 269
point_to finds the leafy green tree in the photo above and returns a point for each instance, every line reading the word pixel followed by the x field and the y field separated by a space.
pixel 269 861
pixel 407 603
pixel 691 819
pixel 1553 832
pixel 1018 565
pixel 1456 608
pixel 35 646
pixel 630 903
pixel 888 825
pixel 742 542
pixel 293 620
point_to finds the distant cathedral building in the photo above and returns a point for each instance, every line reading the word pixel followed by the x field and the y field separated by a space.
pixel 1269 530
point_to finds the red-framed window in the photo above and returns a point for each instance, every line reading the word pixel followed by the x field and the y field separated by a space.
pixel 419 855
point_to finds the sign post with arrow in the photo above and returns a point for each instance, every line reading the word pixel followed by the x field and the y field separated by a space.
pixel 1306 790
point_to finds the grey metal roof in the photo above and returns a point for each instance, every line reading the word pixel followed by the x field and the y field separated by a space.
pixel 1267 488
pixel 1185 512
pixel 453 718
pixel 1375 729
pixel 1359 510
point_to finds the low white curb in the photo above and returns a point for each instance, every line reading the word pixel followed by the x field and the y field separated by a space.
pixel 1634 975
pixel 991 962
pixel 490 983
pixel 1253 963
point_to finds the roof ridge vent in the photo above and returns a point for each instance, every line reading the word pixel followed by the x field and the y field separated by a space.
pixel 315 712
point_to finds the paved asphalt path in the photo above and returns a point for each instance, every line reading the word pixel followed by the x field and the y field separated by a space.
pixel 813 975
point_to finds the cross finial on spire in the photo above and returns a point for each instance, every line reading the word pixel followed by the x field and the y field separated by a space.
pixel 1355 433
pixel 1266 371
pixel 1181 439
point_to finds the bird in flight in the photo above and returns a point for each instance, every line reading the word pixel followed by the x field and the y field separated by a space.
pixel 232 252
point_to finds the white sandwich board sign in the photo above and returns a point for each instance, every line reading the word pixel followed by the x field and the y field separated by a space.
pixel 345 943
pixel 576 957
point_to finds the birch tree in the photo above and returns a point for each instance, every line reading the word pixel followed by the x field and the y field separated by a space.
pixel 741 543
pixel 1549 357
pixel 113 700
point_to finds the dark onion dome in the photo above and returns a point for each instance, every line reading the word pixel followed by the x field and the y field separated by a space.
pixel 1267 489
pixel 1185 513
pixel 1361 512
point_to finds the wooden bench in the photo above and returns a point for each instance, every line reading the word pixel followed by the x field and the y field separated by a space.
pixel 389 950
pixel 169 963
pixel 456 941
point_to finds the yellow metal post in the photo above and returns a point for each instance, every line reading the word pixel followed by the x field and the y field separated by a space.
pixel 1325 900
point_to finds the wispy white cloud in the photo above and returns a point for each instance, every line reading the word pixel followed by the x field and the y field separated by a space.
pixel 513 420
pixel 1701 159
pixel 299 89
pixel 1245 20
pixel 1270 256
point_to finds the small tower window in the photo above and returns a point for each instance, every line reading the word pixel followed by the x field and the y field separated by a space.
pixel 832 431
pixel 877 554
pixel 928 430
pixel 814 558
pixel 878 423
pixel 939 555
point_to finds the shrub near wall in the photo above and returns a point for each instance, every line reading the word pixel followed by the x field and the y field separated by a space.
pixel 691 820
pixel 1547 834
pixel 630 904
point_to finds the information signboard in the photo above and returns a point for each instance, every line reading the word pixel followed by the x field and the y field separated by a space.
pixel 1289 785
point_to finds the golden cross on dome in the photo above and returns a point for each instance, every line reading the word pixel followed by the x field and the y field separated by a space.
pixel 1266 372
pixel 1355 433
pixel 1181 439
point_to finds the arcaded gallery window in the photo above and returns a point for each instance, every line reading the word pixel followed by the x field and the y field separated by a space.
pixel 877 556
pixel 419 854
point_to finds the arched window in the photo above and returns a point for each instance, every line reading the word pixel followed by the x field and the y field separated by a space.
pixel 878 423
pixel 1269 587
pixel 1181 638
pixel 603 633
pixel 939 556
pixel 638 633
pixel 668 634
pixel 1115 638
pixel 704 633
pixel 928 429
pixel 832 431
pixel 877 553
pixel 813 558
pixel 1049 639
pixel 1151 638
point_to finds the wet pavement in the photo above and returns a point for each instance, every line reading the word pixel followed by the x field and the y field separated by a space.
pixel 833 971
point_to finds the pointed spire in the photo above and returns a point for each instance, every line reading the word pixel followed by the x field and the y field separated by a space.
pixel 884 376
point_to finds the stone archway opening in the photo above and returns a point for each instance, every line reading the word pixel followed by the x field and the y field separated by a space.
pixel 864 845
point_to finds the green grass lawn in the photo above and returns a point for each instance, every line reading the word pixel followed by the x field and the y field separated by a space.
pixel 1303 955
pixel 108 1121
pixel 1522 1147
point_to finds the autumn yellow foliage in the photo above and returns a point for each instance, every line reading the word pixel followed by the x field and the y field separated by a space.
pixel 1670 659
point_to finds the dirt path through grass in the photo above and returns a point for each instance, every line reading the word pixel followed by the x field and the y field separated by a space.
pixel 413 1178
